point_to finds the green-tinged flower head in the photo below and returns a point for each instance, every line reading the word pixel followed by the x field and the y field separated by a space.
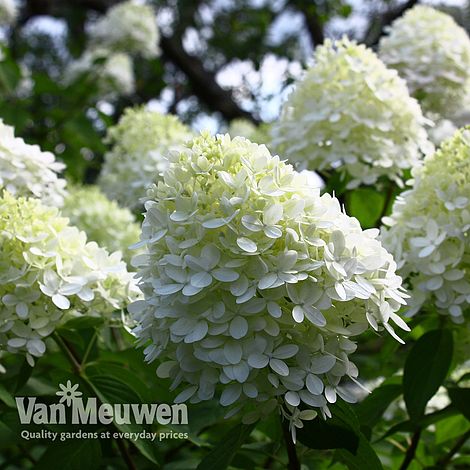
pixel 255 133
pixel 128 27
pixel 429 230
pixel 255 282
pixel 49 273
pixel 350 111
pixel 112 71
pixel 25 170
pixel 104 222
pixel 140 143
pixel 432 53
pixel 8 12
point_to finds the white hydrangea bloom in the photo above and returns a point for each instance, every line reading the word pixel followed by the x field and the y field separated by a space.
pixel 352 113
pixel 261 135
pixel 244 128
pixel 128 27
pixel 8 12
pixel 140 142
pixel 49 273
pixel 112 227
pixel 429 228
pixel 432 53
pixel 442 130
pixel 113 71
pixel 25 170
pixel 255 283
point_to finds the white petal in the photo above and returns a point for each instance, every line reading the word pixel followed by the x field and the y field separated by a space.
pixel 238 327
pixel 314 384
pixel 286 351
pixel 230 394
pixel 292 398
pixel 60 301
pixel 258 361
pixel 247 245
pixel 233 352
pixel 225 275
pixel 280 367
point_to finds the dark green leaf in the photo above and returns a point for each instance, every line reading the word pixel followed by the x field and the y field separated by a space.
pixel 460 398
pixel 426 367
pixel 73 454
pixel 364 457
pixel 340 431
pixel 371 409
pixel 6 397
pixel 221 456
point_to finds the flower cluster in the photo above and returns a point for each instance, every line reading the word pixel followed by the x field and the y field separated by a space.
pixel 255 282
pixel 351 112
pixel 25 170
pixel 140 143
pixel 48 273
pixel 243 128
pixel 128 27
pixel 432 53
pixel 429 229
pixel 112 71
pixel 442 130
pixel 8 12
pixel 104 222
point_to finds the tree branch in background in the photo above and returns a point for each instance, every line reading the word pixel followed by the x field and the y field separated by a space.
pixel 203 82
pixel 380 22
pixel 312 21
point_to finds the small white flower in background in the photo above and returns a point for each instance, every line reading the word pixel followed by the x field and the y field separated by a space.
pixel 112 227
pixel 351 113
pixel 8 12
pixel 127 27
pixel 25 170
pixel 429 227
pixel 254 283
pixel 113 71
pixel 49 273
pixel 140 142
pixel 432 53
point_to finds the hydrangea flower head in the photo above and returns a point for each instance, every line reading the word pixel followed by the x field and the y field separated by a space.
pixel 113 71
pixel 8 12
pixel 49 273
pixel 432 53
pixel 104 222
pixel 255 282
pixel 350 111
pixel 128 27
pixel 25 170
pixel 140 142
pixel 244 128
pixel 429 228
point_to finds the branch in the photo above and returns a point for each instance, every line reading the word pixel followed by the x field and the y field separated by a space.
pixel 312 22
pixel 411 452
pixel 442 463
pixel 202 81
pixel 378 23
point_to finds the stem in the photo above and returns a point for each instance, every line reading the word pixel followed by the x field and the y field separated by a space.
pixel 88 349
pixel 411 452
pixel 77 369
pixel 442 463
pixel 125 454
pixel 68 353
pixel 294 463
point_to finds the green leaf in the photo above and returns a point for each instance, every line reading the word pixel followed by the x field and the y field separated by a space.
pixel 340 431
pixel 371 409
pixel 221 456
pixel 366 205
pixel 6 397
pixel 460 398
pixel 451 428
pixel 364 457
pixel 426 367
pixel 111 390
pixel 73 454
pixel 83 322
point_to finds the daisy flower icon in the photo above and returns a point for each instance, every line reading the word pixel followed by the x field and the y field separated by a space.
pixel 68 393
